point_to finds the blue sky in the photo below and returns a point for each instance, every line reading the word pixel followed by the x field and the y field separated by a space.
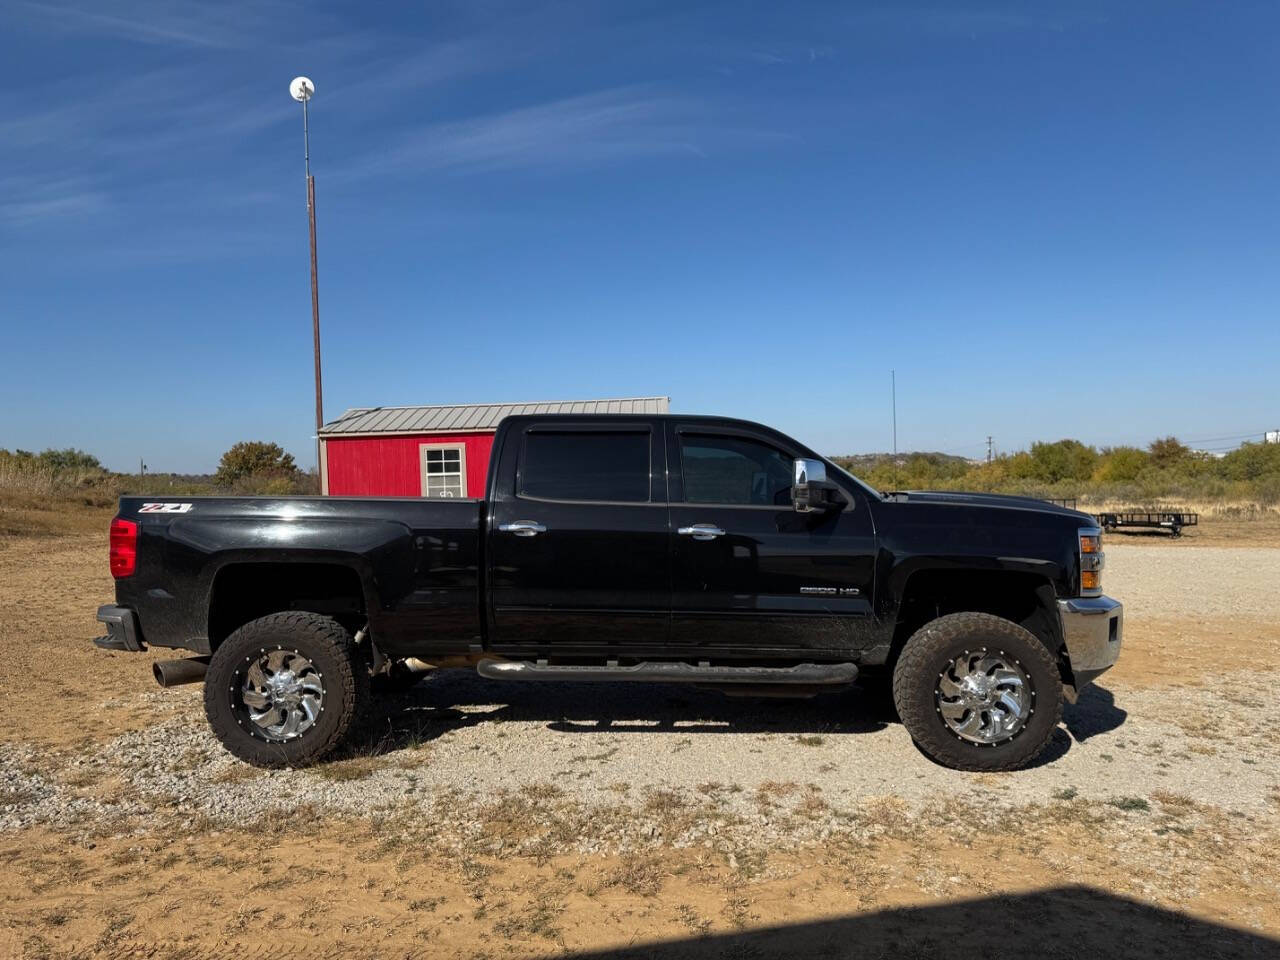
pixel 1052 219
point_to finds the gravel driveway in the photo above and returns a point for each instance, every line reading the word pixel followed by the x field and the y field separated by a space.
pixel 461 741
pixel 1176 580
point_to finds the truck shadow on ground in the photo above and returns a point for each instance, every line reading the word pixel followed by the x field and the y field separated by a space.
pixel 1094 713
pixel 1060 922
pixel 455 699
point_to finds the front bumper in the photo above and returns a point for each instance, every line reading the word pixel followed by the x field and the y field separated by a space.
pixel 122 629
pixel 1093 629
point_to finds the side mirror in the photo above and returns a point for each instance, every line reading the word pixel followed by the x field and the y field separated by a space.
pixel 809 491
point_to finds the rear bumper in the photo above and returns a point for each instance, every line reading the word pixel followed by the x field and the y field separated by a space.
pixel 122 629
pixel 1093 629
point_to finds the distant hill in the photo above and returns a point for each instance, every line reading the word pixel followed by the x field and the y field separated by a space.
pixel 854 462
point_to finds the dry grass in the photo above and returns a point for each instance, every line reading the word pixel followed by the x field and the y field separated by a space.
pixel 687 916
pixel 25 514
pixel 1173 802
pixel 1130 804
pixel 239 773
pixel 636 873
pixel 1242 510
pixel 353 768
pixel 37 480
pixel 1237 523
pixel 539 918
pixel 520 905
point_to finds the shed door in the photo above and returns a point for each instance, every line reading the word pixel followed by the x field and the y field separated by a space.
pixel 444 469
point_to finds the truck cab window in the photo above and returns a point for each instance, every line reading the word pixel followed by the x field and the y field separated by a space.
pixel 586 465
pixel 734 470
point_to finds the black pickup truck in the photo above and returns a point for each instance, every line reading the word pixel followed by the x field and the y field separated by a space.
pixel 675 549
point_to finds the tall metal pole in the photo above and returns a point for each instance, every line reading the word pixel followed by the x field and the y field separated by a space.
pixel 315 284
pixel 302 90
pixel 893 392
pixel 893 381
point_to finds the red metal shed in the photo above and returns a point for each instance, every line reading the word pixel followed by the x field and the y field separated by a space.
pixel 440 451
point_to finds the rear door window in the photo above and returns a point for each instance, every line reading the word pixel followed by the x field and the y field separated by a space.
pixel 608 466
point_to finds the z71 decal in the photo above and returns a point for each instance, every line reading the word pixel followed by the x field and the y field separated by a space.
pixel 165 507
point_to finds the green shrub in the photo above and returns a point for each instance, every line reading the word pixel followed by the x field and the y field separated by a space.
pixel 1168 471
pixel 257 459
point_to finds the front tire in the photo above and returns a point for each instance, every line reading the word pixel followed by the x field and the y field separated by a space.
pixel 978 692
pixel 286 689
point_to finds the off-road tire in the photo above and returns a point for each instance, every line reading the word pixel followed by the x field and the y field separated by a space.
pixel 321 640
pixel 928 652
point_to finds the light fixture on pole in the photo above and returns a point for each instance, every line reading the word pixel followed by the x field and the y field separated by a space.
pixel 302 90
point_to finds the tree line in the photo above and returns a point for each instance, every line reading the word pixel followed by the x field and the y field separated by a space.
pixel 250 467
pixel 1165 469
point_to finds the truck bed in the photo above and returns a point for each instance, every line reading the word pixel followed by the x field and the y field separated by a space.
pixel 420 558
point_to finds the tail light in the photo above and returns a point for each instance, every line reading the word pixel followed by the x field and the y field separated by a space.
pixel 1092 560
pixel 124 548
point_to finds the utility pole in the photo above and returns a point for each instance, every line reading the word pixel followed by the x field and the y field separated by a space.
pixel 302 90
pixel 893 394
pixel 893 390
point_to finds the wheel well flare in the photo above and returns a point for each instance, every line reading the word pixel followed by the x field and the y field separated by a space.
pixel 246 591
pixel 1023 598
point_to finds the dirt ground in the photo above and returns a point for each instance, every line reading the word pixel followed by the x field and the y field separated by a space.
pixel 496 821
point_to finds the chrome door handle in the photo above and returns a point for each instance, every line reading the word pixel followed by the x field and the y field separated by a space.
pixel 523 528
pixel 701 531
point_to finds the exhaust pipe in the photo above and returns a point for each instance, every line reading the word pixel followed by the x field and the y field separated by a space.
pixel 171 673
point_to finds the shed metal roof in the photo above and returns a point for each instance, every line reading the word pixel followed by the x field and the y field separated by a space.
pixel 473 417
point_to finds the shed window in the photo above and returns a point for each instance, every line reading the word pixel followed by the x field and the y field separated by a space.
pixel 444 470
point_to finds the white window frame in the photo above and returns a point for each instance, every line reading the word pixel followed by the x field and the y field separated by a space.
pixel 462 465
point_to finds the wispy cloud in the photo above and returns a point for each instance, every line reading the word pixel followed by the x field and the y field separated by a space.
pixel 129 136
pixel 971 21
pixel 138 113
pixel 185 22
pixel 399 74
pixel 28 200
pixel 586 130
pixel 767 57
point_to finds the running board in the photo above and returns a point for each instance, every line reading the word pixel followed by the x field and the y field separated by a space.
pixel 821 674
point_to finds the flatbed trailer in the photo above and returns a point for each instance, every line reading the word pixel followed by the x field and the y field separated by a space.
pixel 1171 520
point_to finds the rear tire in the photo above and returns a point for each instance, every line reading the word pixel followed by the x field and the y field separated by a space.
pixel 286 689
pixel 978 692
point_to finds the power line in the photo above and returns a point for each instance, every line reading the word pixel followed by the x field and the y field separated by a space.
pixel 1233 436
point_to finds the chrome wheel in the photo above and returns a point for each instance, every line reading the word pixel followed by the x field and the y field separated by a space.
pixel 985 696
pixel 283 693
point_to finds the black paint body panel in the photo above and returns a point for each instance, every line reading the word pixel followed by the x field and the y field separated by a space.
pixel 417 562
